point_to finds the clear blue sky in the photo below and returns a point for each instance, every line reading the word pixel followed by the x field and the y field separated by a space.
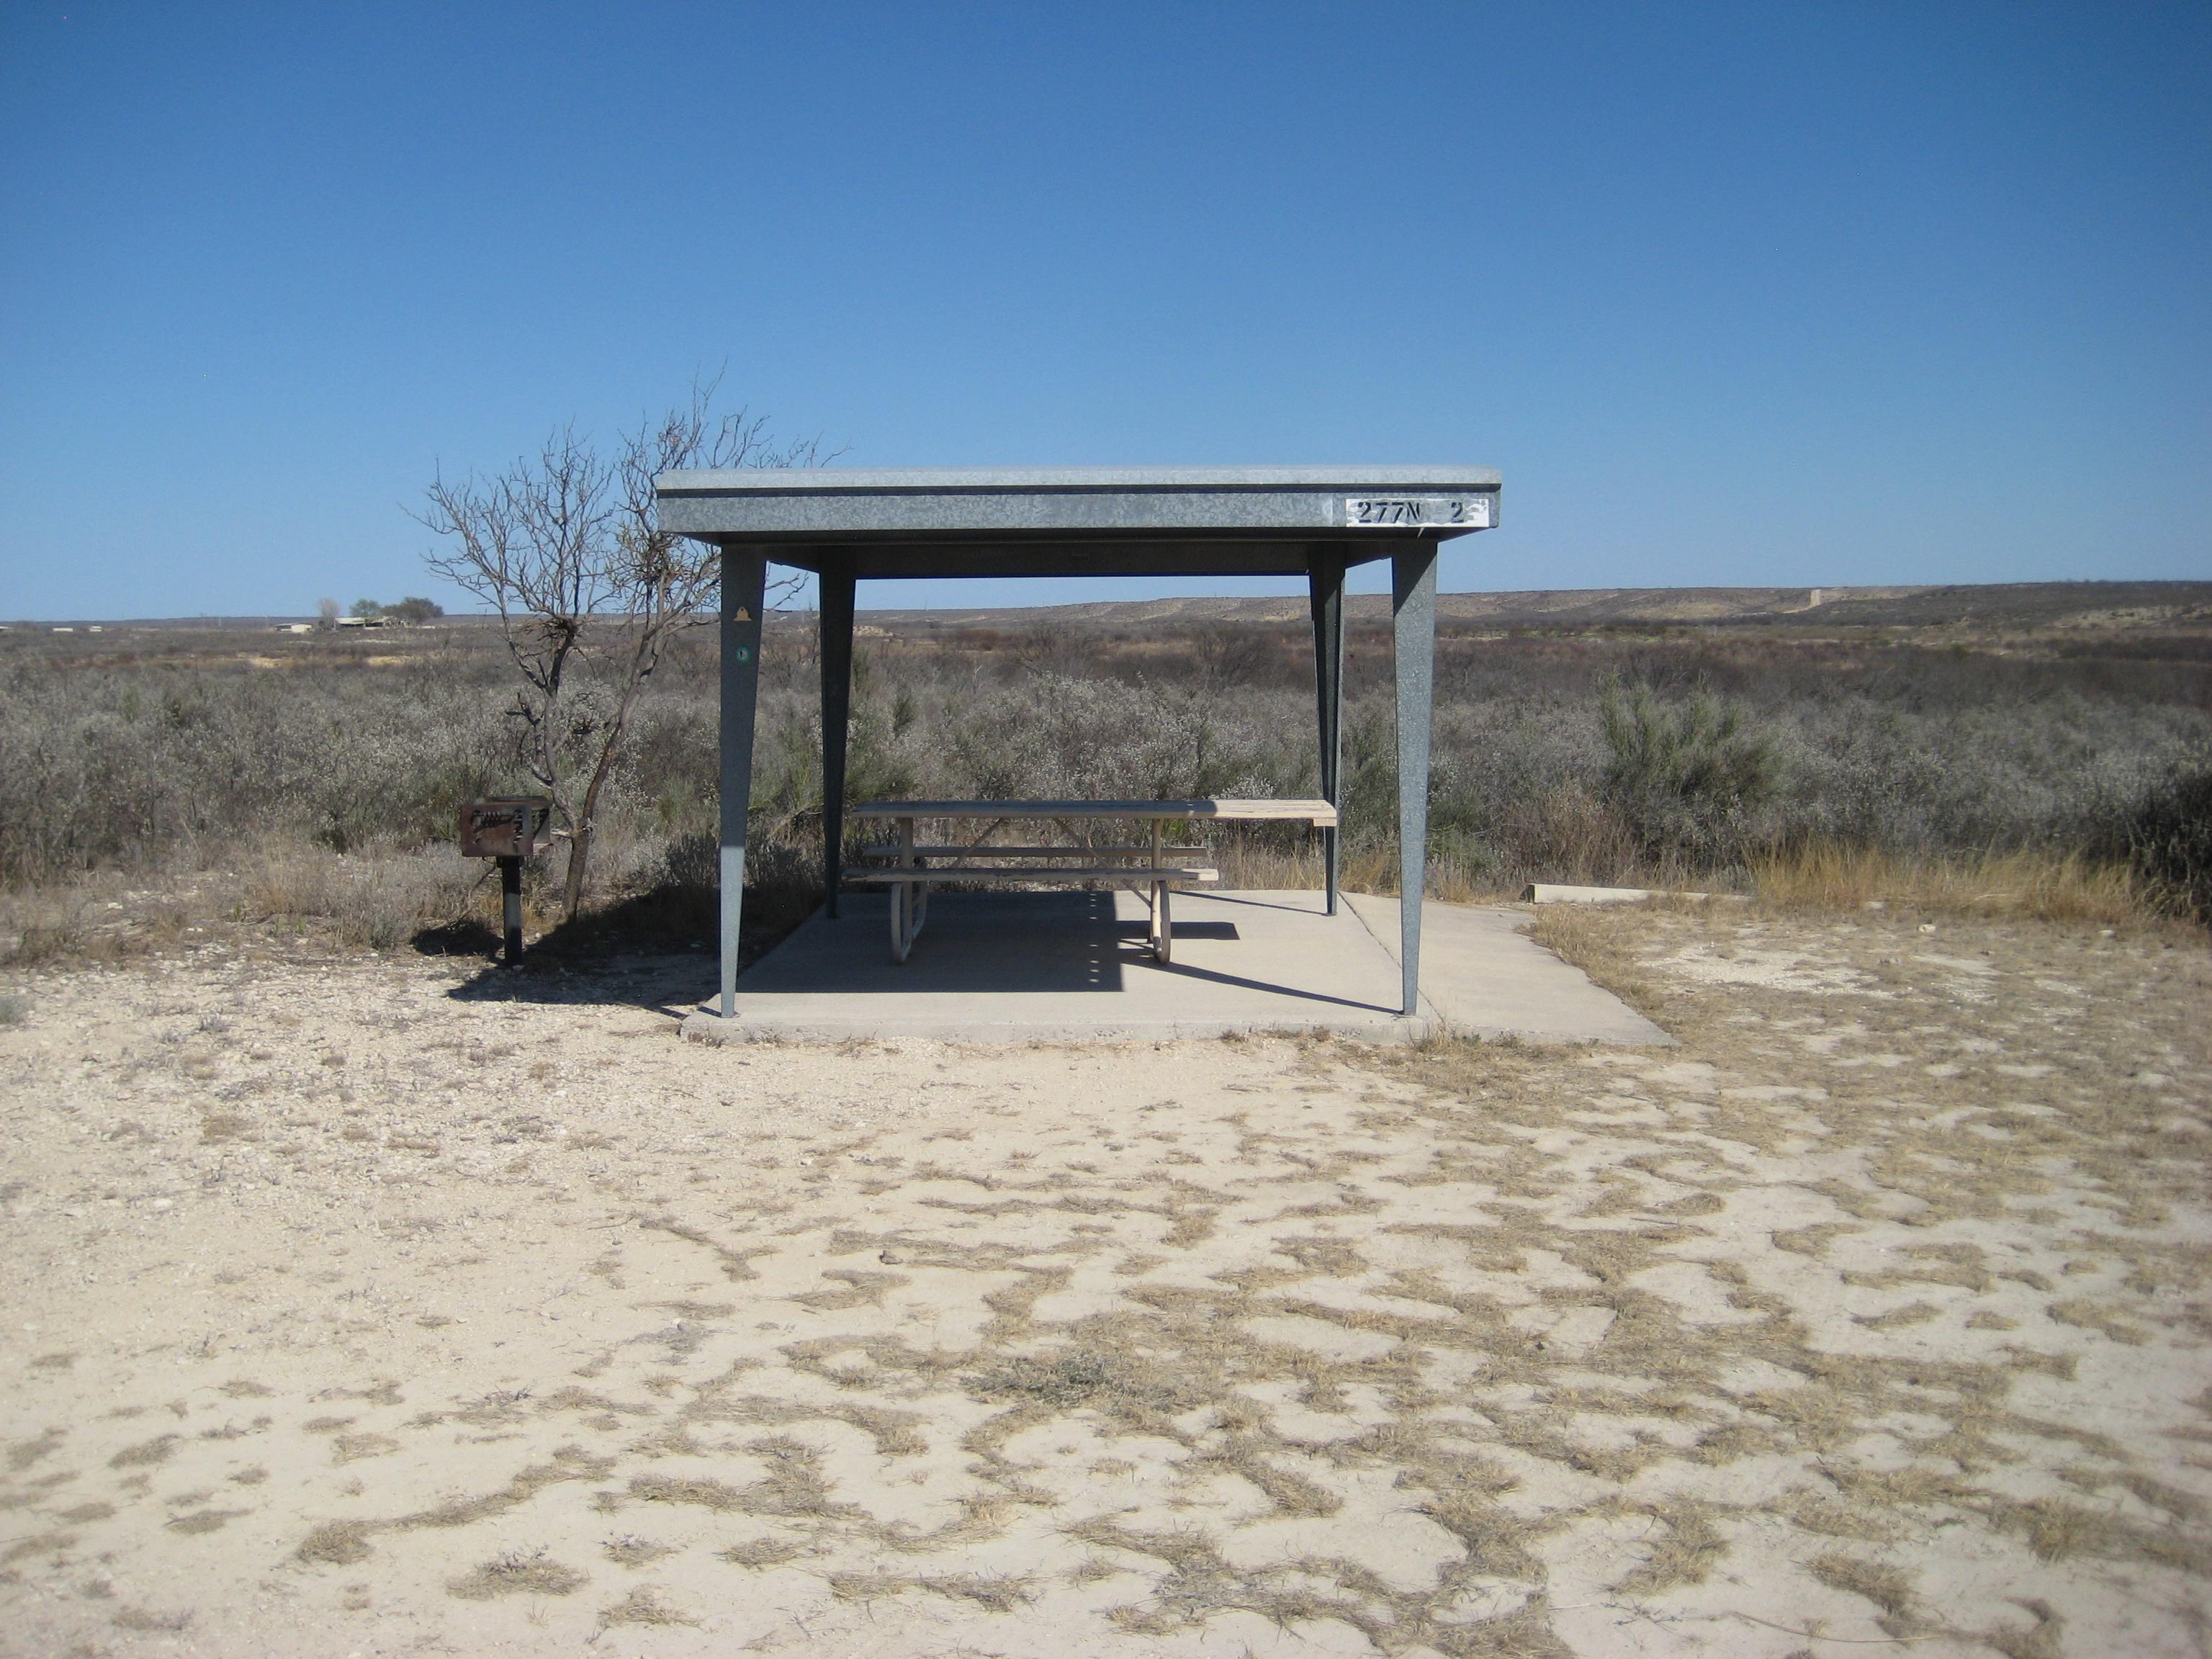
pixel 1817 293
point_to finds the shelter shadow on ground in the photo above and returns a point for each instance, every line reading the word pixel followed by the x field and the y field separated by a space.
pixel 1025 967
pixel 644 951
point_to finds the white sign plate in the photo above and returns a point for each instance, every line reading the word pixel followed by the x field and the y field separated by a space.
pixel 1417 512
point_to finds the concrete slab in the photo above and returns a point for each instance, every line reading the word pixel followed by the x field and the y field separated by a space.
pixel 1010 966
pixel 1005 967
pixel 1486 978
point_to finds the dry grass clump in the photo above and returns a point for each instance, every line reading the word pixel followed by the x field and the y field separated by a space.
pixel 146 1453
pixel 1886 1587
pixel 201 1521
pixel 995 1592
pixel 375 900
pixel 2050 886
pixel 642 1607
pixel 516 1574
pixel 1584 937
pixel 761 1552
pixel 336 1543
pixel 1687 1547
pixel 793 1485
pixel 1059 1382
pixel 671 1489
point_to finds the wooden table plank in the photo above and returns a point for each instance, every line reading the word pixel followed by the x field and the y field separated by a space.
pixel 978 849
pixel 1034 875
pixel 1318 813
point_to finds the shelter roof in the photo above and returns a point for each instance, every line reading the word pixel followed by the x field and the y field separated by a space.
pixel 1077 520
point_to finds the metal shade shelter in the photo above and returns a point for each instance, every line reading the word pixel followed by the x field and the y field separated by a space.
pixel 1314 522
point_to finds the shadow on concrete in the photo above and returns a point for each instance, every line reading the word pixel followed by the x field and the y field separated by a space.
pixel 1183 930
pixel 996 966
pixel 997 943
pixel 1184 970
pixel 652 950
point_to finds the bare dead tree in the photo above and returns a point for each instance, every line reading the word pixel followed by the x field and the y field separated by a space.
pixel 567 549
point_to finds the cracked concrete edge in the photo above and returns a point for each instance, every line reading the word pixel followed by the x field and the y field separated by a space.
pixel 705 1025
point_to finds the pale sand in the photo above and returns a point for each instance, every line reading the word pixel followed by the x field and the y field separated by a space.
pixel 344 1317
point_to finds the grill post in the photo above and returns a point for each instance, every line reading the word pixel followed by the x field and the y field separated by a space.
pixel 510 907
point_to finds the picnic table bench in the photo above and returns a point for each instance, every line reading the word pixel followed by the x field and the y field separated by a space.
pixel 1155 865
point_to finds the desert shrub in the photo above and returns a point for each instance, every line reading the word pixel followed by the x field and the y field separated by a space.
pixel 1053 735
pixel 1687 777
pixel 2169 837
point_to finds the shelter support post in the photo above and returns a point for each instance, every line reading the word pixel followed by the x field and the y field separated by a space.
pixel 510 908
pixel 836 654
pixel 744 573
pixel 1413 624
pixel 1325 588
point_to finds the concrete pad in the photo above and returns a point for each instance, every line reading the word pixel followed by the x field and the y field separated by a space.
pixel 1013 967
pixel 1487 978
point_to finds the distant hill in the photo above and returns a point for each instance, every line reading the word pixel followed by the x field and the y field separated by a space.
pixel 2000 605
pixel 2089 606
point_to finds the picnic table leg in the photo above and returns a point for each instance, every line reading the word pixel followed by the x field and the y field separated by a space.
pixel 1163 945
pixel 902 896
pixel 1152 916
pixel 917 902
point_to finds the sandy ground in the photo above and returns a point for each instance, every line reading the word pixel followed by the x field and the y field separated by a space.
pixel 349 1309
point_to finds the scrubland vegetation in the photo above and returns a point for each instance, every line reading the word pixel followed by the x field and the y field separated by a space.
pixel 164 780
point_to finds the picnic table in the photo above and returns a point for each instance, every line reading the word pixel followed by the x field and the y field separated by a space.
pixel 1153 864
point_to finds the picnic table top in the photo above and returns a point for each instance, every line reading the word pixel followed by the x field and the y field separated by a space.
pixel 1294 811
